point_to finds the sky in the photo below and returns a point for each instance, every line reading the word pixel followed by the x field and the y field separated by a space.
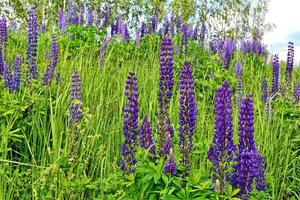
pixel 285 14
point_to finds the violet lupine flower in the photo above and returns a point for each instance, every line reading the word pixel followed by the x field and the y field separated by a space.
pixel 169 134
pixel 76 105
pixel 146 140
pixel 90 19
pixel 1 61
pixel 3 33
pixel 297 93
pixel 138 38
pixel 43 27
pixel 106 16
pixel 276 73
pixel 202 33
pixel 82 15
pixel 290 64
pixel 32 37
pixel 229 47
pixel 178 25
pixel 166 26
pixel 222 149
pixel 165 92
pixel 172 29
pixel 75 15
pixel 249 164
pixel 70 12
pixel 113 29
pixel 7 76
pixel 120 25
pixel 265 91
pixel 170 165
pixel 184 34
pixel 130 128
pixel 49 73
pixel 195 33
pixel 17 73
pixel 98 16
pixel 187 114
pixel 153 23
pixel 239 88
pixel 103 50
pixel 216 45
pixel 143 29
pixel 62 22
pixel 124 27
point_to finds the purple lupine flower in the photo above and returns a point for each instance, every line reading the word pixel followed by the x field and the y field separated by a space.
pixel 146 140
pixel 43 26
pixel 62 22
pixel 124 27
pixel 190 31
pixel 130 128
pixel 290 64
pixel 76 104
pixel 17 73
pixel 178 25
pixel 82 15
pixel 239 88
pixel 170 165
pixel 172 29
pixel 3 32
pixel 165 91
pixel 32 37
pixel 187 114
pixel 106 16
pixel 166 26
pixel 70 12
pixel 75 15
pixel 49 73
pixel 184 34
pixel 222 149
pixel 195 33
pixel 169 133
pixel 297 93
pixel 276 73
pixel 138 38
pixel 103 50
pixel 90 19
pixel 98 16
pixel 1 61
pixel 120 25
pixel 216 45
pixel 7 76
pixel 143 29
pixel 228 51
pixel 154 23
pixel 249 164
pixel 265 91
pixel 202 32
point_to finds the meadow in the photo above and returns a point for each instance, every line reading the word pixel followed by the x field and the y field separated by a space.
pixel 62 138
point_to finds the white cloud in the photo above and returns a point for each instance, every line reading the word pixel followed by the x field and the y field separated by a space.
pixel 285 15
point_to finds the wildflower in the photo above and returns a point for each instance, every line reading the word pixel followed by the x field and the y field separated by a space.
pixel 146 140
pixel 54 59
pixel 276 72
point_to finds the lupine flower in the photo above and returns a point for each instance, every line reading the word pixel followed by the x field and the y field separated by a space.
pixel 106 16
pixel 3 33
pixel 62 22
pixel 195 33
pixel 142 29
pixel 49 73
pixel 120 25
pixel 75 15
pixel 166 26
pixel 170 165
pixel 17 73
pixel 187 114
pixel 184 34
pixel 202 33
pixel 32 38
pixel 98 16
pixel 172 30
pixel 297 93
pixel 153 23
pixel 146 140
pixel 228 51
pixel 76 105
pixel 90 19
pixel 290 64
pixel 138 38
pixel 239 88
pixel 1 61
pixel 103 50
pixel 82 15
pixel 168 134
pixel 178 25
pixel 222 149
pixel 130 127
pixel 43 27
pixel 190 32
pixel 249 164
pixel 124 27
pixel 165 90
pixel 70 12
pixel 7 76
pixel 276 72
pixel 216 45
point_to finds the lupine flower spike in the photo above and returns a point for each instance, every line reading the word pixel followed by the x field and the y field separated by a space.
pixel 187 115
pixel 290 64
pixel 130 128
pixel 239 88
pixel 222 149
pixel 49 73
pixel 146 140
